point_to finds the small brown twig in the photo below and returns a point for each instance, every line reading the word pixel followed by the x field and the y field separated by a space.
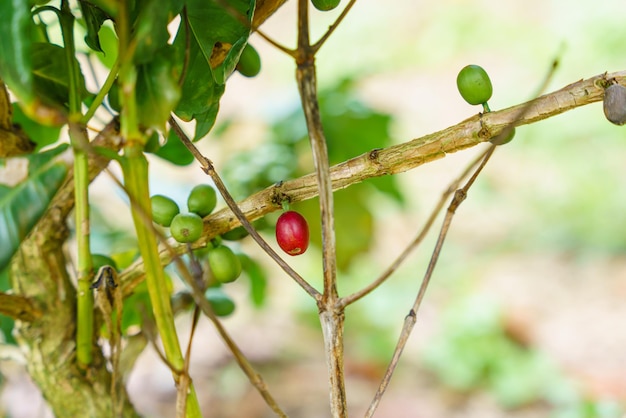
pixel 459 196
pixel 330 314
pixel 409 322
pixel 185 379
pixel 254 27
pixel 317 45
pixel 253 376
pixel 345 301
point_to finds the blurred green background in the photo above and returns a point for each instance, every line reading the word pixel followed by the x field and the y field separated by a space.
pixel 524 315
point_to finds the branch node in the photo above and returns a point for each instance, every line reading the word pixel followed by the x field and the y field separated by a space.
pixel 278 197
pixel 459 197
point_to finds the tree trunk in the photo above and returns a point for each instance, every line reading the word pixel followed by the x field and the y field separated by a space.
pixel 38 271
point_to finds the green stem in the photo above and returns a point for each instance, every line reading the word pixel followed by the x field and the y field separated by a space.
pixel 106 87
pixel 84 333
pixel 135 167
pixel 78 138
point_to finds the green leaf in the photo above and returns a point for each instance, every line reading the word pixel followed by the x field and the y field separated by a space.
pixel 174 151
pixel 6 323
pixel 110 7
pixel 206 120
pixel 203 86
pixel 41 134
pixel 6 329
pixel 157 90
pixel 134 306
pixel 51 75
pixel 354 223
pixel 94 17
pixel 212 24
pixel 15 44
pixel 258 279
pixel 37 161
pixel 150 28
pixel 109 44
pixel 24 201
pixel 199 90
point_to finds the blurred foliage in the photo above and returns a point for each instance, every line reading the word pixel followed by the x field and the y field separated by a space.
pixel 352 128
pixel 6 323
pixel 474 351
pixel 34 181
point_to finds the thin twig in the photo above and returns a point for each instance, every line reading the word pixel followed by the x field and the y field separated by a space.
pixel 244 21
pixel 317 45
pixel 207 167
pixel 185 379
pixel 459 196
pixel 409 322
pixel 331 316
pixel 307 87
pixel 253 376
pixel 345 301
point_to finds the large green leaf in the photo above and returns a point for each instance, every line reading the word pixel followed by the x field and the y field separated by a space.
pixel 51 75
pixel 94 17
pixel 200 92
pixel 29 185
pixel 157 90
pixel 15 44
pixel 110 7
pixel 152 18
pixel 174 151
pixel 109 44
pixel 212 24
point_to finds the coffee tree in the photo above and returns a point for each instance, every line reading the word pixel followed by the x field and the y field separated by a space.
pixel 166 65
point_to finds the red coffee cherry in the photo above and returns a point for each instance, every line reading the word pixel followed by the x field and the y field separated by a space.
pixel 292 233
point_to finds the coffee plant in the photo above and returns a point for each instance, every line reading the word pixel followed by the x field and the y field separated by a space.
pixel 104 88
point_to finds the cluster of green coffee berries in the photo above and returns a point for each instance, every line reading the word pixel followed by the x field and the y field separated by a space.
pixel 223 263
pixel 475 87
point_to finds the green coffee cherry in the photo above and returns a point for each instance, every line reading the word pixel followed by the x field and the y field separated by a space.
pixel 221 303
pixel 502 139
pixel 186 227
pixel 202 200
pixel 249 64
pixel 474 85
pixel 224 264
pixel 163 209
pixel 325 5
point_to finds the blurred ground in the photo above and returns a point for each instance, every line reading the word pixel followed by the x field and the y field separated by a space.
pixel 540 242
